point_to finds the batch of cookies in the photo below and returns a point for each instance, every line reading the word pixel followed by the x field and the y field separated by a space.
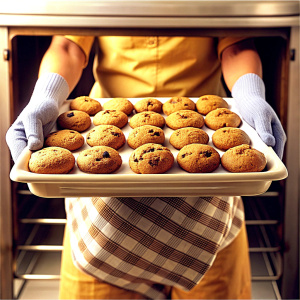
pixel 148 118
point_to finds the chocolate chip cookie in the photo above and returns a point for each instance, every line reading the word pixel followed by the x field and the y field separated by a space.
pixel 121 104
pixel 111 117
pixel 222 117
pixel 74 120
pixel 184 118
pixel 106 135
pixel 207 103
pixel 147 118
pixel 51 160
pixel 178 103
pixel 86 104
pixel 151 159
pixel 99 160
pixel 145 134
pixel 198 158
pixel 148 104
pixel 68 139
pixel 188 135
pixel 243 158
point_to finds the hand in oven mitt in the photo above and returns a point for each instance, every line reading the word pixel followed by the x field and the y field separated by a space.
pixel 39 116
pixel 249 97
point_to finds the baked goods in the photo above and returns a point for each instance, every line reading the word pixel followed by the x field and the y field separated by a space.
pixel 151 159
pixel 147 118
pixel 198 158
pixel 106 135
pixel 145 134
pixel 148 104
pixel 111 117
pixel 121 104
pixel 74 120
pixel 243 158
pixel 86 104
pixel 222 117
pixel 178 103
pixel 228 137
pixel 51 160
pixel 66 138
pixel 207 103
pixel 188 135
pixel 184 118
pixel 99 160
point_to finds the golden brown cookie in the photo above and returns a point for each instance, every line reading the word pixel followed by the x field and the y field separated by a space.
pixel 198 158
pixel 243 158
pixel 148 104
pixel 66 138
pixel 188 135
pixel 74 120
pixel 222 117
pixel 111 117
pixel 106 135
pixel 145 134
pixel 184 118
pixel 147 118
pixel 178 103
pixel 207 103
pixel 151 159
pixel 121 104
pixel 99 160
pixel 51 160
pixel 86 104
pixel 228 137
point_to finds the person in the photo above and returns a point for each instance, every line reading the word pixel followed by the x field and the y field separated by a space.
pixel 159 248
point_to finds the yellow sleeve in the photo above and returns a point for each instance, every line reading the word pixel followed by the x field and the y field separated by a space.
pixel 223 43
pixel 84 42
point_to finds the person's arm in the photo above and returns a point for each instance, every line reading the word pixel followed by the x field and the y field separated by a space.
pixel 65 58
pixel 240 59
pixel 242 71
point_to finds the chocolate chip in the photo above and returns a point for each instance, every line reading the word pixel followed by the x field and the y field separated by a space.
pixel 106 154
pixel 71 114
pixel 156 133
pixel 154 162
pixel 115 133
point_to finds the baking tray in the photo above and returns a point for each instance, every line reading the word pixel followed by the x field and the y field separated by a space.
pixel 175 182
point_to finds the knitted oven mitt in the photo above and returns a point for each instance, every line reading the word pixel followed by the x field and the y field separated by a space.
pixel 39 116
pixel 249 98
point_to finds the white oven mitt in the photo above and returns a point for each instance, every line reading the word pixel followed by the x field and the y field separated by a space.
pixel 39 116
pixel 249 97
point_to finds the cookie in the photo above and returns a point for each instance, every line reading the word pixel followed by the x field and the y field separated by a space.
pixel 121 104
pixel 145 134
pixel 228 137
pixel 99 160
pixel 86 104
pixel 207 103
pixel 111 117
pixel 243 158
pixel 184 118
pixel 106 135
pixel 148 104
pixel 68 139
pixel 178 103
pixel 188 135
pixel 51 160
pixel 222 117
pixel 151 159
pixel 74 120
pixel 147 118
pixel 198 158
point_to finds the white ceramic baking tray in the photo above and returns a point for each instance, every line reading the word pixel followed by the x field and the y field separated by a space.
pixel 175 182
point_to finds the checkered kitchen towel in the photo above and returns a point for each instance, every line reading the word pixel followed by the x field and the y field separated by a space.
pixel 142 244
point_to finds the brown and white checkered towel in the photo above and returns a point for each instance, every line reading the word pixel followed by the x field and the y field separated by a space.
pixel 142 244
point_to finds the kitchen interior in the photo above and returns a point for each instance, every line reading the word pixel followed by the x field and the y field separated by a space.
pixel 32 226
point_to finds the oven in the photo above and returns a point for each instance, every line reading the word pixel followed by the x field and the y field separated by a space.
pixel 25 32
